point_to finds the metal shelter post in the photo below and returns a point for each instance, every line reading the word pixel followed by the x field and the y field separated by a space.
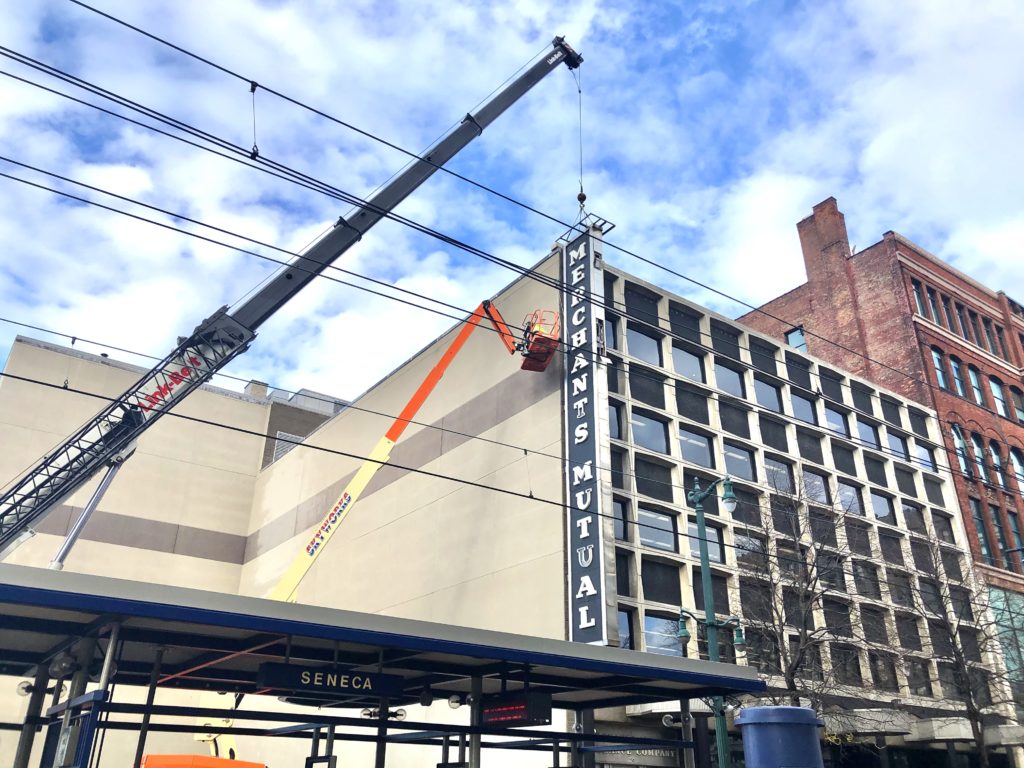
pixel 475 710
pixel 67 742
pixel 382 733
pixel 702 744
pixel 32 712
pixel 154 676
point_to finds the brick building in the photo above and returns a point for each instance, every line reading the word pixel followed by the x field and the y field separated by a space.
pixel 904 319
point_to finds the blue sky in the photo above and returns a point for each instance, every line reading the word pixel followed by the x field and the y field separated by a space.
pixel 709 130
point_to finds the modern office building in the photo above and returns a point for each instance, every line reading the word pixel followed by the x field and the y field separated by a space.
pixel 903 318
pixel 554 503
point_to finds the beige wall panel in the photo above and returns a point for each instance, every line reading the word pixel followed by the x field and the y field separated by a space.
pixel 126 562
pixel 420 545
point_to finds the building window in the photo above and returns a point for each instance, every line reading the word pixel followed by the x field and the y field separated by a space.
pixel 692 403
pixel 620 510
pixel 831 384
pixel 644 346
pixel 773 433
pixel 924 456
pixel 816 487
pixel 947 308
pixel 618 469
pixel 623 568
pixel 989 336
pixel 615 376
pixel 762 356
pixel 868 433
pixel 899 589
pixel 653 479
pixel 976 328
pixel 898 446
pixel 873 623
pixel 883 671
pixel 1017 461
pixel 931 598
pixel 1001 338
pixel 863 399
pixel 892 548
pixel 865 579
pixel 696 448
pixel 933 305
pixel 688 364
pixel 997 525
pixel 982 531
pixel 858 539
pixel 684 322
pixel 660 581
pixel 763 652
pixel 614 420
pixel 734 419
pixel 649 433
pixel 913 518
pixel 845 664
pixel 809 444
pixel 767 395
pixel 661 635
pixel 641 304
pixel 958 375
pixel 999 396
pixel 795 338
pixel 882 508
pixel 647 386
pixel 951 565
pixel 779 475
pixel 725 339
pixel 835 421
pixel 739 462
pixel 973 375
pixel 803 409
pixel 922 555
pixel 657 529
pixel 842 457
pixel 919 679
pixel 908 632
pixel 997 463
pixel 849 498
pixel 1017 398
pixel 960 448
pixel 713 537
pixel 943 526
pixel 626 629
pixel 751 551
pixel 837 617
pixel 729 380
pixel 940 368
pixel 1018 544
pixel 719 593
pixel 918 298
pixel 979 456
pixel 961 316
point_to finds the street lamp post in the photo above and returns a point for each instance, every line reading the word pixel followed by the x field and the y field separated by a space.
pixel 711 623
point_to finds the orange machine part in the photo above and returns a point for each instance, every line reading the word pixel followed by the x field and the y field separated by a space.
pixel 195 761
pixel 542 330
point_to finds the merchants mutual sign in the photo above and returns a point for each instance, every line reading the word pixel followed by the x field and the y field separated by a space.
pixel 583 330
pixel 328 681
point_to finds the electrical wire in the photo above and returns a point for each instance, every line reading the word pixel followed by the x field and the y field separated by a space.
pixel 521 270
pixel 633 372
pixel 489 190
pixel 413 470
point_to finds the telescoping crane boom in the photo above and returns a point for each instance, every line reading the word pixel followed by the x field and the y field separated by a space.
pixel 538 346
pixel 108 438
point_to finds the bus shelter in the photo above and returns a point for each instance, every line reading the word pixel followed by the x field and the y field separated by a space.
pixel 76 639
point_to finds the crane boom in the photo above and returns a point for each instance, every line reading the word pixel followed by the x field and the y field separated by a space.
pixel 223 336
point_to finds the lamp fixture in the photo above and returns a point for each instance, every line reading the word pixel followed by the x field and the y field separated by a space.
pixel 455 701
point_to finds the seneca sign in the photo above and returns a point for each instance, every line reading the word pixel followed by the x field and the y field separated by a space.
pixel 583 338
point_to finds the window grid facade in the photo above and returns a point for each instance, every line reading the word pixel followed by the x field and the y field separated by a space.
pixel 721 417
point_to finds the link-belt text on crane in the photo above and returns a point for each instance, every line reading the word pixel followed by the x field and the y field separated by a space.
pixel 173 377
pixel 582 306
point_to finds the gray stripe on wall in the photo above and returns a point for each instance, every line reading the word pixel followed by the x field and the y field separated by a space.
pixel 476 416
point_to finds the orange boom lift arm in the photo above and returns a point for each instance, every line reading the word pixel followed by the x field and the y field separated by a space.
pixel 540 340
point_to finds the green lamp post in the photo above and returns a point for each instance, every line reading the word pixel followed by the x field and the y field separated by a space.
pixel 711 623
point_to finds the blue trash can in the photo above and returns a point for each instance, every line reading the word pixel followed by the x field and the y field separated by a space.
pixel 780 737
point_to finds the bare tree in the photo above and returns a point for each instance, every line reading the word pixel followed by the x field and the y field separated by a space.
pixel 965 638
pixel 792 559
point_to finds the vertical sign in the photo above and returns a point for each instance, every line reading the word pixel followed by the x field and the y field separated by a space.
pixel 583 316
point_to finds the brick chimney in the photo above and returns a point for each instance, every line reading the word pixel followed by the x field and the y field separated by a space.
pixel 825 244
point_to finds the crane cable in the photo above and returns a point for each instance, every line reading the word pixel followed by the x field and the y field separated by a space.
pixel 581 197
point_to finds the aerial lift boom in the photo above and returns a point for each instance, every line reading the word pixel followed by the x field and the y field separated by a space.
pixel 107 439
pixel 540 340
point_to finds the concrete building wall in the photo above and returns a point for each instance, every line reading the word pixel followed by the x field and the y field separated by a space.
pixel 418 544
pixel 179 509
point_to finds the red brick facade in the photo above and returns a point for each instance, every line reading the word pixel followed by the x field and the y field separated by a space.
pixel 902 318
